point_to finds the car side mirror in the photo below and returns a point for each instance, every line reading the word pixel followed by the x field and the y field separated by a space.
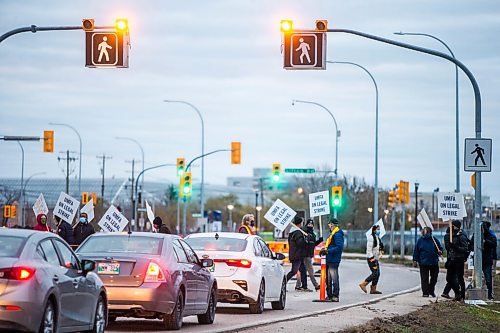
pixel 87 266
pixel 279 256
pixel 206 263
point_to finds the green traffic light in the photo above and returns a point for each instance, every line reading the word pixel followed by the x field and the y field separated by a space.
pixel 180 172
pixel 276 178
pixel 186 189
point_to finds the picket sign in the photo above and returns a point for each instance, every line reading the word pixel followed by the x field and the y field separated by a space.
pixel 113 220
pixel 66 207
pixel 319 203
pixel 280 215
pixel 89 210
pixel 40 207
pixel 149 212
pixel 380 223
pixel 424 220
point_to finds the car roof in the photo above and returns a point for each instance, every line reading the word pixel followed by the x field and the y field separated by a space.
pixel 21 232
pixel 138 233
pixel 224 234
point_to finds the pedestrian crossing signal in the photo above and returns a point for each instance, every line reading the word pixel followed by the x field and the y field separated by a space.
pixel 186 185
pixel 322 25
pixel 336 196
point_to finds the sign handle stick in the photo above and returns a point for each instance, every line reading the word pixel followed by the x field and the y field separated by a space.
pixel 451 232
pixel 320 227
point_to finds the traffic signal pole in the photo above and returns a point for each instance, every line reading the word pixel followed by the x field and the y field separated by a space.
pixel 478 282
pixel 393 224
pixel 34 29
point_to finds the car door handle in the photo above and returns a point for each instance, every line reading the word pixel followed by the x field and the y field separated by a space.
pixel 55 278
pixel 75 283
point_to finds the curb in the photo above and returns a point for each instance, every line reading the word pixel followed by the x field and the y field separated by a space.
pixel 319 312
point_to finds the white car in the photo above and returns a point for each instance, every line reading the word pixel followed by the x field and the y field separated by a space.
pixel 247 271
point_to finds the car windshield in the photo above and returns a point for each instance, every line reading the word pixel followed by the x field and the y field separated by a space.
pixel 11 246
pixel 122 244
pixel 220 244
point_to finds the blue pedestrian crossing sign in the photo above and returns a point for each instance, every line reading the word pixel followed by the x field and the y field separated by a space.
pixel 477 155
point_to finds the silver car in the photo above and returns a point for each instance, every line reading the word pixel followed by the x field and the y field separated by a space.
pixel 44 287
pixel 152 275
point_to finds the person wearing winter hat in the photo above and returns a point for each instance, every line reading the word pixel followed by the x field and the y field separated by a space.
pixel 159 227
pixel 333 250
pixel 82 230
pixel 297 243
pixel 458 252
pixel 308 259
pixel 64 230
pixel 41 220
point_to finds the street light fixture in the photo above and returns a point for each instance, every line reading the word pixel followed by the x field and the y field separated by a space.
pixel 457 124
pixel 258 208
pixel 375 188
pixel 202 203
pixel 337 136
pixel 230 223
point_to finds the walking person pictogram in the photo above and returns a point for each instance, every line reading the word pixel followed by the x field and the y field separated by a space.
pixel 479 151
pixel 103 48
pixel 304 48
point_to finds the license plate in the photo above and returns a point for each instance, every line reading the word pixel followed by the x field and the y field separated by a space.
pixel 108 268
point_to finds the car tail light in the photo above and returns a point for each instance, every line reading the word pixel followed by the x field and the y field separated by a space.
pixel 154 273
pixel 243 263
pixel 11 308
pixel 17 273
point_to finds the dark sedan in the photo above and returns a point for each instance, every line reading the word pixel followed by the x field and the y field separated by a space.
pixel 149 275
pixel 44 287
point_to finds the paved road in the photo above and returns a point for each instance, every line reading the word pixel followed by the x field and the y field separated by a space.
pixel 393 279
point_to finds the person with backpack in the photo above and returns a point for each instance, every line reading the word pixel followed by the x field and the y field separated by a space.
pixel 426 254
pixel 458 249
pixel 373 249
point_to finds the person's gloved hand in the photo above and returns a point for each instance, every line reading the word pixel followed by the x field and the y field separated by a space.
pixel 323 252
pixel 414 264
pixel 372 259
pixel 320 239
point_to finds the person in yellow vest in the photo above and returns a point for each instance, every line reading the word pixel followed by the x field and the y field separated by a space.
pixel 247 225
pixel 333 250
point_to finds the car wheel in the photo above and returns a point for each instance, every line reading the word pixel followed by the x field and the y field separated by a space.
pixel 173 321
pixel 258 307
pixel 49 322
pixel 99 316
pixel 280 305
pixel 209 316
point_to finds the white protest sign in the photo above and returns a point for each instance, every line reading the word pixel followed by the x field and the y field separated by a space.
pixel 280 215
pixel 89 210
pixel 319 203
pixel 149 212
pixel 40 207
pixel 66 207
pixel 113 220
pixel 424 220
pixel 379 223
pixel 451 206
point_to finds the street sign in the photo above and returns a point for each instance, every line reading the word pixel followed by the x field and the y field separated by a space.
pixel 304 50
pixel 106 49
pixel 300 170
pixel 477 155
pixel 280 215
pixel 319 203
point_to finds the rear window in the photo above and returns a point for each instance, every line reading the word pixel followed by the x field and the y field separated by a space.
pixel 11 246
pixel 221 244
pixel 122 244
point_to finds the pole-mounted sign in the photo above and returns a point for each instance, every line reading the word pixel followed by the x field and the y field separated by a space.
pixel 106 49
pixel 477 155
pixel 304 50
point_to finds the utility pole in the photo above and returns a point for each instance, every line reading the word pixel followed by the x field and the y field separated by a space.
pixel 132 196
pixel 68 160
pixel 104 158
pixel 402 231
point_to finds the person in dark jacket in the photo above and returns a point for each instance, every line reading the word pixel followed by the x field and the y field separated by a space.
pixel 333 250
pixel 308 259
pixel 489 255
pixel 297 251
pixel 159 227
pixel 426 254
pixel 458 251
pixel 82 230
pixel 64 230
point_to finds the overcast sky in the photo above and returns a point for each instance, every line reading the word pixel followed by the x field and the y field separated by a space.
pixel 224 57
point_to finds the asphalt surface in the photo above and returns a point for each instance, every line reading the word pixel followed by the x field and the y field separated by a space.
pixel 229 318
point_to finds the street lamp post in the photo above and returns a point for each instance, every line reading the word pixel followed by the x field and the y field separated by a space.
pixel 337 135
pixel 375 189
pixel 202 202
pixel 457 124
pixel 416 210
pixel 80 160
pixel 258 208
pixel 21 195
pixel 230 222
pixel 142 178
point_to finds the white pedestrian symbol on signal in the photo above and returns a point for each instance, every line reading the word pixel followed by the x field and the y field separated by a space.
pixel 304 48
pixel 103 48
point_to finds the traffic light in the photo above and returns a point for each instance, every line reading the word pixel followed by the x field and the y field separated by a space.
pixel 48 141
pixel 94 198
pixel 85 198
pixel 322 25
pixel 407 192
pixel 186 185
pixel 180 166
pixel 336 196
pixel 88 24
pixel 13 211
pixel 286 26
pixel 235 152
pixel 403 190
pixel 121 24
pixel 6 211
pixel 276 172
pixel 391 199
